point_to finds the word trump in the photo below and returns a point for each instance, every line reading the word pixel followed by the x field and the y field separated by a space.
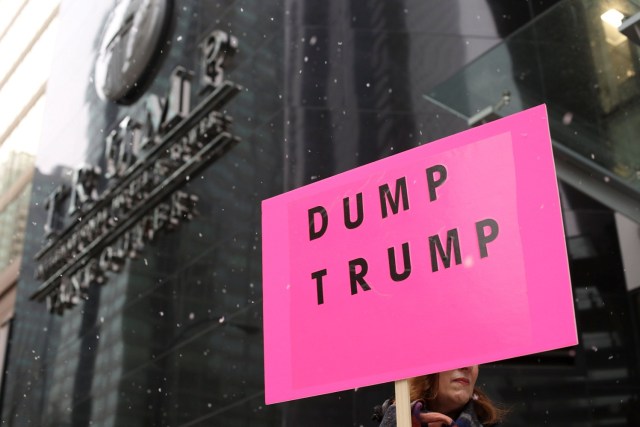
pixel 390 203
pixel 98 221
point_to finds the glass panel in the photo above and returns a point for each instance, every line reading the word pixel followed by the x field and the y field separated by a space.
pixel 23 30
pixel 582 67
pixel 25 82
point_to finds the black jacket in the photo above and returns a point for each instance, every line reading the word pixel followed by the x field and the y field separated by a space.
pixel 467 417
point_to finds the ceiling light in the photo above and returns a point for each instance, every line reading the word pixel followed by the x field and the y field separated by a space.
pixel 612 17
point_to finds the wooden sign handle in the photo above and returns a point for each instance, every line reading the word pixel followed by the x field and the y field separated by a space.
pixel 403 404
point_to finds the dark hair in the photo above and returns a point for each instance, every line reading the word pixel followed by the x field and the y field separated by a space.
pixel 425 388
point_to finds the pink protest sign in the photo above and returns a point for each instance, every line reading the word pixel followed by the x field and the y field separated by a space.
pixel 446 255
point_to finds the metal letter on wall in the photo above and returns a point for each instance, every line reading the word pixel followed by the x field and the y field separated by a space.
pixel 148 160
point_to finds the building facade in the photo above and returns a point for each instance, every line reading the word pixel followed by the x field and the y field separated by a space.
pixel 27 33
pixel 168 122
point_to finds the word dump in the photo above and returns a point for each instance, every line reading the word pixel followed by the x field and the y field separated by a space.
pixel 391 203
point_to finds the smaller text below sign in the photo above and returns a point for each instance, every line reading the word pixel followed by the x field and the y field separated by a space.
pixel 447 255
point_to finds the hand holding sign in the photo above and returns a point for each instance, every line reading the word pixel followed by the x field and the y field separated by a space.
pixel 449 397
pixel 461 238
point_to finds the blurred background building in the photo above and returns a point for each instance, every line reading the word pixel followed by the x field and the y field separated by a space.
pixel 27 34
pixel 173 336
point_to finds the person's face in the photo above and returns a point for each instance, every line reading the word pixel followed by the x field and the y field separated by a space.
pixel 455 389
